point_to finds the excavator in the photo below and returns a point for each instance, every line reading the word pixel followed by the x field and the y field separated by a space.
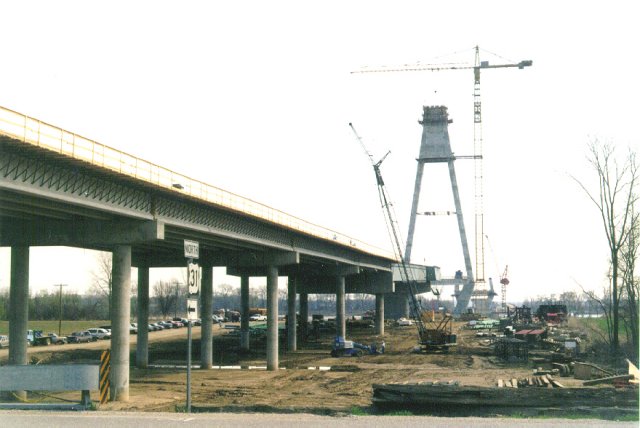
pixel 433 336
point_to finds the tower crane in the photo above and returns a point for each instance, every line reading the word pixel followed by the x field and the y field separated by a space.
pixel 432 335
pixel 477 139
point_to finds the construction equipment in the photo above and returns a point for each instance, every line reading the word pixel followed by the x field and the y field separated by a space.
pixel 349 348
pixel 478 168
pixel 432 336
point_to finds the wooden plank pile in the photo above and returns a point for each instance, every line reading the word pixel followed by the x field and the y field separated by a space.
pixel 543 381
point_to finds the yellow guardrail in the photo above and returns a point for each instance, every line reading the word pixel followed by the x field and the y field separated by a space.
pixel 35 132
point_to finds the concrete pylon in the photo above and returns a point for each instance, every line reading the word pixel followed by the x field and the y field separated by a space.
pixel 206 329
pixel 120 313
pixel 19 309
pixel 244 312
pixel 379 322
pixel 272 318
pixel 341 323
pixel 142 345
pixel 436 148
pixel 292 332
pixel 304 315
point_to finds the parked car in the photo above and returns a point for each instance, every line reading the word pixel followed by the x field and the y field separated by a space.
pixel 80 337
pixel 99 333
pixel 257 317
pixel 57 340
pixel 133 328
pixel 177 324
pixel 216 319
pixel 167 324
pixel 158 326
pixel 4 341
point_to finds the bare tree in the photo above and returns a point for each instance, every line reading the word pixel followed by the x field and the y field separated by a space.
pixel 166 296
pixel 615 200
pixel 631 283
pixel 103 278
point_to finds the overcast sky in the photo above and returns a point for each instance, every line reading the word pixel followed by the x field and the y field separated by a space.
pixel 255 97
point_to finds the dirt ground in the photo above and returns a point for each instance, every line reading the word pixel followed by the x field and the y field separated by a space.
pixel 295 387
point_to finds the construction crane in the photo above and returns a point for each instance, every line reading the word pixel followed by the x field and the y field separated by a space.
pixel 477 140
pixel 504 281
pixel 433 336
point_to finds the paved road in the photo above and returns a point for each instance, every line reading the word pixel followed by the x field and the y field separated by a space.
pixel 37 419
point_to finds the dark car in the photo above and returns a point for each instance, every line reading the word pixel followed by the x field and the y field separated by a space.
pixel 80 337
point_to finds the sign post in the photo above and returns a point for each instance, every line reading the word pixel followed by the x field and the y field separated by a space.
pixel 191 252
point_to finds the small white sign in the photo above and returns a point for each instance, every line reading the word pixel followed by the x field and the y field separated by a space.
pixel 191 249
pixel 192 309
pixel 193 278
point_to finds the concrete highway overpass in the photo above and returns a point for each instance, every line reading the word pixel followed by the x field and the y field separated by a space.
pixel 60 189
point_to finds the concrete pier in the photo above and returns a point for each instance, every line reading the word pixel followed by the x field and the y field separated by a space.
pixel 341 325
pixel 379 322
pixel 304 314
pixel 142 345
pixel 120 312
pixel 292 344
pixel 244 312
pixel 272 318
pixel 19 309
pixel 206 330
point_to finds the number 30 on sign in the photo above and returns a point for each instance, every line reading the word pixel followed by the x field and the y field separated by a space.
pixel 193 278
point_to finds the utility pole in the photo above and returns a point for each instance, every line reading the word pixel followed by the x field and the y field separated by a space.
pixel 60 308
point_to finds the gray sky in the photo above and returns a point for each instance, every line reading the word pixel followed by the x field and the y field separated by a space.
pixel 255 97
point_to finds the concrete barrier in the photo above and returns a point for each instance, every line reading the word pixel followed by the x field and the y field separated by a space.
pixel 73 377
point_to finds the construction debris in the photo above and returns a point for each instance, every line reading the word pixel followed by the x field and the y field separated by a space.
pixel 608 379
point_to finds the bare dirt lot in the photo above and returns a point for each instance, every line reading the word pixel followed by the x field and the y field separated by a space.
pixel 343 388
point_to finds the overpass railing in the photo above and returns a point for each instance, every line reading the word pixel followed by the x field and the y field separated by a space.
pixel 35 132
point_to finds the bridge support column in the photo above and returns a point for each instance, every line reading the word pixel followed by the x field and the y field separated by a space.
pixel 380 314
pixel 120 313
pixel 304 315
pixel 142 345
pixel 341 326
pixel 272 318
pixel 244 312
pixel 292 332
pixel 397 305
pixel 206 331
pixel 19 309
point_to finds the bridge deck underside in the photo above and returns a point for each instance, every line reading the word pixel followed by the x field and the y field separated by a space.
pixel 45 197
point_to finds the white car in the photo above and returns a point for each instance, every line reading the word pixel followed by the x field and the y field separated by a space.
pixel 99 333
pixel 257 317
pixel 404 321
pixel 4 341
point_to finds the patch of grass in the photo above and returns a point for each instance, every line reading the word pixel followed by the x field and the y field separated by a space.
pixel 604 415
pixel 400 413
pixel 358 411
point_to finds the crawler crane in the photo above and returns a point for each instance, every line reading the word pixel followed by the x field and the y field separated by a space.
pixel 432 335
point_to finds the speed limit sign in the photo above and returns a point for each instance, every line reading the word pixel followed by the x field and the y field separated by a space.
pixel 193 278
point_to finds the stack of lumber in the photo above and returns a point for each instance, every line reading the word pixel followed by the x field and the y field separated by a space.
pixel 545 381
